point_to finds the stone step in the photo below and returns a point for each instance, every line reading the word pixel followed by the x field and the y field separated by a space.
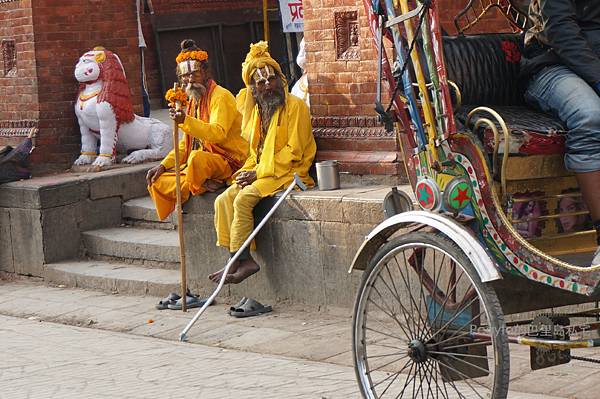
pixel 113 277
pixel 140 212
pixel 132 243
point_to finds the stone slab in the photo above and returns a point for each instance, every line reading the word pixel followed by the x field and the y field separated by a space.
pixel 133 243
pixel 27 241
pixel 44 192
pixel 60 232
pixel 340 242
pixel 6 252
pixel 141 208
pixel 100 213
pixel 113 277
pixel 296 265
pixel 127 182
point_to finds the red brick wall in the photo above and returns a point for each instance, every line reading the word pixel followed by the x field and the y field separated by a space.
pixel 62 34
pixel 18 95
pixel 337 87
pixel 347 88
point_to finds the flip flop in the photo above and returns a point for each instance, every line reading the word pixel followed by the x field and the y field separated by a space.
pixel 250 308
pixel 192 301
pixel 170 299
pixel 237 305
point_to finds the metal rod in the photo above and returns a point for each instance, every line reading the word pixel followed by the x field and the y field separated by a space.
pixel 403 17
pixel 178 206
pixel 296 182
pixel 379 57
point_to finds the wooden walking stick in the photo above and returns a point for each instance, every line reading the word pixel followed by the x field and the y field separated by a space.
pixel 179 211
pixel 266 19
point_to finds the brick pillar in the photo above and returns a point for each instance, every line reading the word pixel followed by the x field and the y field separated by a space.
pixel 342 82
pixel 18 79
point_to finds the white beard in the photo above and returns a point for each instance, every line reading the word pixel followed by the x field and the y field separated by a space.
pixel 195 91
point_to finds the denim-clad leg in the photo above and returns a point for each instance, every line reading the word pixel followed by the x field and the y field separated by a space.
pixel 559 91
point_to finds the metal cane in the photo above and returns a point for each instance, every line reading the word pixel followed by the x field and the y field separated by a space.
pixel 296 182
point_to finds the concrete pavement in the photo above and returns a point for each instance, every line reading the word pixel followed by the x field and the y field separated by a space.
pixel 47 360
pixel 291 352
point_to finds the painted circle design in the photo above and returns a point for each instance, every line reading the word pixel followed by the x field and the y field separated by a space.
pixel 458 194
pixel 428 194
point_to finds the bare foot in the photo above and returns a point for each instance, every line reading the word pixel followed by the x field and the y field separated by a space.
pixel 246 269
pixel 243 270
pixel 216 276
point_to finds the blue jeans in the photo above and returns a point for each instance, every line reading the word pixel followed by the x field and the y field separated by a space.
pixel 559 91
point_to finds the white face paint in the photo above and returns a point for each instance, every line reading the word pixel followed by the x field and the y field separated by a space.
pixel 188 66
pixel 262 75
pixel 87 69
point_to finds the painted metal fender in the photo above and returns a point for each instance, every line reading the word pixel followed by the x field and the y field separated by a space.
pixel 461 236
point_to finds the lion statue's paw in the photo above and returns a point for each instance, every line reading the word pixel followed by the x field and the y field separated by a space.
pixel 84 160
pixel 103 161
pixel 134 157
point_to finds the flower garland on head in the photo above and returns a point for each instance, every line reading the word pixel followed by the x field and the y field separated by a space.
pixel 198 55
pixel 177 95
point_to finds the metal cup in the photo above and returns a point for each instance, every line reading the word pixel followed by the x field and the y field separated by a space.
pixel 328 175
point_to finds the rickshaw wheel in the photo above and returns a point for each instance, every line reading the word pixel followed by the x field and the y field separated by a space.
pixel 425 325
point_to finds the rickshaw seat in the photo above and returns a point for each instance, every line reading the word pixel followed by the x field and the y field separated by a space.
pixel 531 132
pixel 486 70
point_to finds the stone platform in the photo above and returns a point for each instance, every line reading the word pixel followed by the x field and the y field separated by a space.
pixel 95 230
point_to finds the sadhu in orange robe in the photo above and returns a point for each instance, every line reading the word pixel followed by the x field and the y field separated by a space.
pixel 212 148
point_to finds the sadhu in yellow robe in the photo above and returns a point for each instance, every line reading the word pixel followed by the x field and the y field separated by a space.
pixel 288 147
pixel 212 148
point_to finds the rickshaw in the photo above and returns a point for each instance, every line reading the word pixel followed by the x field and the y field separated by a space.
pixel 499 240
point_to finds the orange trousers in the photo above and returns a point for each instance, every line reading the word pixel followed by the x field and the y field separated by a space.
pixel 201 166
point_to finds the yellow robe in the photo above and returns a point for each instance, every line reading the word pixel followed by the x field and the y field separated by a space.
pixel 289 147
pixel 218 126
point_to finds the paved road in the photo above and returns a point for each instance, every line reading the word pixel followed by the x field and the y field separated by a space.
pixel 284 354
pixel 46 360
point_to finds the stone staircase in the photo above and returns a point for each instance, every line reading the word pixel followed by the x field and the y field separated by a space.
pixel 141 256
pixel 98 231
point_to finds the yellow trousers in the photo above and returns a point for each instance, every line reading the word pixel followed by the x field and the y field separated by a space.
pixel 234 220
pixel 201 166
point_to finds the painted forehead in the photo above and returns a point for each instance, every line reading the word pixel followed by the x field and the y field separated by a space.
pixel 187 67
pixel 263 74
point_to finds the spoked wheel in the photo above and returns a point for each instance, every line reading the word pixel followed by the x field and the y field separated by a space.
pixel 426 326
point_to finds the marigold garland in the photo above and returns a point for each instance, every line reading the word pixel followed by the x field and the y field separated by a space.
pixel 197 55
pixel 177 95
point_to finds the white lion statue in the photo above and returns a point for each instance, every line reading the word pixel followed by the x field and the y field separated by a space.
pixel 104 112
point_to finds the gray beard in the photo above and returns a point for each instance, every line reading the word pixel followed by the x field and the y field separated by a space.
pixel 268 104
pixel 195 91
